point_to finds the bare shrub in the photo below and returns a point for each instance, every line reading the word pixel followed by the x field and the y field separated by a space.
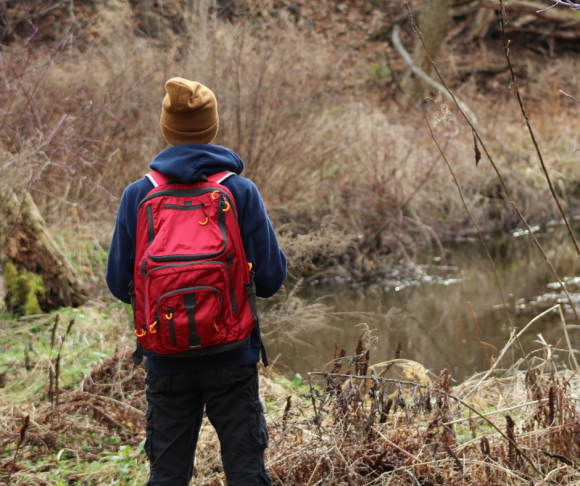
pixel 288 318
pixel 80 121
pixel 309 252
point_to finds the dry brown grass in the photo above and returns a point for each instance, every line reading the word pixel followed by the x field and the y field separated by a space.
pixel 80 122
pixel 356 424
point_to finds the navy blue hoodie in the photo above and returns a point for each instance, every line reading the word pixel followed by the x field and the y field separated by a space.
pixel 187 163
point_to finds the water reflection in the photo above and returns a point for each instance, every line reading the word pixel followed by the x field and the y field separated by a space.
pixel 431 316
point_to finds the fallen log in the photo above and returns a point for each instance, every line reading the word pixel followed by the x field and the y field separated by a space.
pixel 25 240
pixel 554 15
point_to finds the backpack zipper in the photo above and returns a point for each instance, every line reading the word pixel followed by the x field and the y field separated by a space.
pixel 188 193
pixel 182 208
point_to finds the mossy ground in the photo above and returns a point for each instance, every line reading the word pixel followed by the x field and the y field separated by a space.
pixel 25 347
pixel 24 287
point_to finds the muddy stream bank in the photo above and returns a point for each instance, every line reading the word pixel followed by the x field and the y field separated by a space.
pixel 424 304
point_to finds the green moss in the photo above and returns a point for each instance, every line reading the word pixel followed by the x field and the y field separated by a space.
pixel 24 288
pixel 379 72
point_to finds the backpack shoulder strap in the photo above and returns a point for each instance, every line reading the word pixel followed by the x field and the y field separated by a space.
pixel 219 177
pixel 157 178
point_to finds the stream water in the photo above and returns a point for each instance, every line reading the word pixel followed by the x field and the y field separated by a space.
pixel 428 311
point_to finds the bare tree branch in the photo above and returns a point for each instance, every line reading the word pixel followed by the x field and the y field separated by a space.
pixel 565 3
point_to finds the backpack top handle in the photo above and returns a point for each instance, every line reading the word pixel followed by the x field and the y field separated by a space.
pixel 158 179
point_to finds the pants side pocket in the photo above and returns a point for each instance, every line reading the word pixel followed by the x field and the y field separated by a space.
pixel 149 433
pixel 258 427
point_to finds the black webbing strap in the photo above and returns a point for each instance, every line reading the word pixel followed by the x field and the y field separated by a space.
pixel 189 302
pixel 150 228
pixel 264 355
pixel 175 180
pixel 137 354
pixel 171 326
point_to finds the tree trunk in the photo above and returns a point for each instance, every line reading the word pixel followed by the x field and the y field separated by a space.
pixel 483 20
pixel 25 240
pixel 434 25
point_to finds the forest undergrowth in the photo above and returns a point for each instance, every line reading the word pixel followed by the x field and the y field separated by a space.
pixel 355 423
pixel 327 138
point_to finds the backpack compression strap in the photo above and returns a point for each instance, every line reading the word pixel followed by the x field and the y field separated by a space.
pixel 158 179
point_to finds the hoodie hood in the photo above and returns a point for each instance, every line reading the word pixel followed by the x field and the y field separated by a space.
pixel 188 162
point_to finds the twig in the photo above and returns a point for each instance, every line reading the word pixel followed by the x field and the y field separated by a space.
pixel 75 21
pixel 565 3
pixel 57 371
pixel 50 367
pixel 454 456
pixel 315 469
pixel 393 74
pixel 571 97
pixel 102 397
pixel 497 411
pixel 561 458
pixel 507 346
pixel 400 449
pixel 35 316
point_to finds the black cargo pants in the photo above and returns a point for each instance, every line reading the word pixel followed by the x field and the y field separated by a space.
pixel 174 416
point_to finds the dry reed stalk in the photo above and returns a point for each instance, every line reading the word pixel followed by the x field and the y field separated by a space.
pixel 570 348
pixel 23 428
pixel 58 357
pixel 485 352
pixel 514 86
pixel 447 395
pixel 50 366
pixel 356 444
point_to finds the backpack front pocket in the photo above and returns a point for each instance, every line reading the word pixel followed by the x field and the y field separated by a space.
pixel 190 318
pixel 187 229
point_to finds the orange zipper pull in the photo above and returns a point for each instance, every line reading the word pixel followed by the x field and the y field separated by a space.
pixel 152 329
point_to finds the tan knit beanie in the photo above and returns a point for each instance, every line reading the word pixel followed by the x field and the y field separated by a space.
pixel 189 113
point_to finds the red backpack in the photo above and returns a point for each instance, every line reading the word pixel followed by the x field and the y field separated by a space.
pixel 194 292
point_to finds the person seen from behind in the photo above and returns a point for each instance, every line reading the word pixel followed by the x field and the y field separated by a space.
pixel 192 247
